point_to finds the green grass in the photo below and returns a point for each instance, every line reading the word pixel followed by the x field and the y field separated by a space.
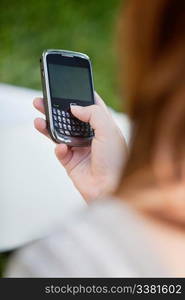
pixel 3 259
pixel 29 27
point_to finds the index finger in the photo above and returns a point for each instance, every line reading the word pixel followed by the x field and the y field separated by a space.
pixel 38 103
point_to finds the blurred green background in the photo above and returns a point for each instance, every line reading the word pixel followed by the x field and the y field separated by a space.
pixel 29 27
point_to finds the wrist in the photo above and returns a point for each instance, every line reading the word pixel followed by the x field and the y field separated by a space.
pixel 103 188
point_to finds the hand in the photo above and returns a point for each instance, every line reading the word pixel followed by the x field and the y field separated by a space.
pixel 94 170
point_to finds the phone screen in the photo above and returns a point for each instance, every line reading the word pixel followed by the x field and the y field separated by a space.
pixel 70 82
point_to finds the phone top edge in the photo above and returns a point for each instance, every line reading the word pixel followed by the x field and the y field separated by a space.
pixel 67 53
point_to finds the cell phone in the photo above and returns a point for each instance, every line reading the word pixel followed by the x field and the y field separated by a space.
pixel 67 80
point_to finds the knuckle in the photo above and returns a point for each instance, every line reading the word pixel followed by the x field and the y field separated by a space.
pixel 96 108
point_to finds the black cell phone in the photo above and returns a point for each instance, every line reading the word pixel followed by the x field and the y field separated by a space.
pixel 66 79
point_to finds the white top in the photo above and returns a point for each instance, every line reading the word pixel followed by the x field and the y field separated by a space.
pixel 106 239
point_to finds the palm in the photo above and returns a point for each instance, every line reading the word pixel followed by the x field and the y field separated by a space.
pixel 93 168
pixel 82 169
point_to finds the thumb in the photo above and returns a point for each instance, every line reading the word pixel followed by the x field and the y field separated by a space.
pixel 93 114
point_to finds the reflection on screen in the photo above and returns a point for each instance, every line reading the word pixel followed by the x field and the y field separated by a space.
pixel 69 82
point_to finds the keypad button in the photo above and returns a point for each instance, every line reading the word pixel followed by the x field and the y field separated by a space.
pixel 67 132
pixel 74 133
pixel 61 131
pixel 68 125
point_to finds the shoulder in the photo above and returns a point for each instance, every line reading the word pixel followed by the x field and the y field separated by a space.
pixel 103 240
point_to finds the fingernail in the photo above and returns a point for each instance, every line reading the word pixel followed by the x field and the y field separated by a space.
pixel 75 106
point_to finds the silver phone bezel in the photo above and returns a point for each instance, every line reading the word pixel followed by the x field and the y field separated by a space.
pixel 59 138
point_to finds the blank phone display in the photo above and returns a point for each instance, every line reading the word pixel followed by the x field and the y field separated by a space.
pixel 70 82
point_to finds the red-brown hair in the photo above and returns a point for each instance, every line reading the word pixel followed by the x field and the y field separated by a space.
pixel 152 56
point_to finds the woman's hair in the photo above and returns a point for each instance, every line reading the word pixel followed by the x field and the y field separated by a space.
pixel 152 58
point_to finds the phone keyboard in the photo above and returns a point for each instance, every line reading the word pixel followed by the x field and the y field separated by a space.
pixel 66 124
